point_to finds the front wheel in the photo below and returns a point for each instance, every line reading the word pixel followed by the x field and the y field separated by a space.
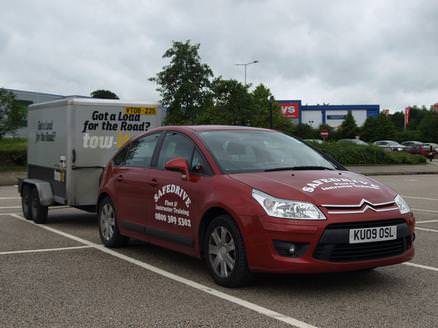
pixel 224 253
pixel 108 230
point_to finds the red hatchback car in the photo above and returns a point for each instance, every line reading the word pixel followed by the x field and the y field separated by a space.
pixel 250 200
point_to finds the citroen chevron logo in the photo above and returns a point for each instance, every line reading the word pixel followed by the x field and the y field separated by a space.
pixel 361 208
pixel 362 202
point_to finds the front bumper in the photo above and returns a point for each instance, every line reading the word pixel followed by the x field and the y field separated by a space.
pixel 326 244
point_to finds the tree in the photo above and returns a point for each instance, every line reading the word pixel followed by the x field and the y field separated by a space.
pixel 348 128
pixel 230 104
pixel 12 113
pixel 415 117
pixel 398 119
pixel 104 94
pixel 184 83
pixel 260 114
pixel 305 131
pixel 428 127
pixel 378 128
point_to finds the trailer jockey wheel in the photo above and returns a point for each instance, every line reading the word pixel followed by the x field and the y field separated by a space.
pixel 25 202
pixel 38 211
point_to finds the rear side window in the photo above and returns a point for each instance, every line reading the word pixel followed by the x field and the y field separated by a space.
pixel 175 145
pixel 139 153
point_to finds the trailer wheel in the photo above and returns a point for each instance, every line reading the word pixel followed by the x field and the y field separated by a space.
pixel 38 211
pixel 25 202
pixel 108 229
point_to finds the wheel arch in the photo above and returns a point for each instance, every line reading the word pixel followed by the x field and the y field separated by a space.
pixel 43 188
pixel 102 195
pixel 208 216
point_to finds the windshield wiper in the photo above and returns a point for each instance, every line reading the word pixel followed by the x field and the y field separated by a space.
pixel 298 168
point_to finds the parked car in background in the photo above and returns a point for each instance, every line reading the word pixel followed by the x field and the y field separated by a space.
pixel 427 146
pixel 353 141
pixel 415 147
pixel 389 145
pixel 318 141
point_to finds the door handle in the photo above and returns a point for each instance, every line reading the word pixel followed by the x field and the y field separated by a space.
pixel 119 177
pixel 153 182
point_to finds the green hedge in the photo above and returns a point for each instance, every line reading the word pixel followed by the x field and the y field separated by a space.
pixel 350 154
pixel 13 152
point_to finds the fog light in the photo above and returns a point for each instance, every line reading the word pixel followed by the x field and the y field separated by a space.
pixel 292 250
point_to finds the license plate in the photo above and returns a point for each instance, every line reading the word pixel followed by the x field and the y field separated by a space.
pixel 369 235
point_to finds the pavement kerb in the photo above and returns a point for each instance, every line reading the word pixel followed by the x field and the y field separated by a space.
pixel 11 178
pixel 395 169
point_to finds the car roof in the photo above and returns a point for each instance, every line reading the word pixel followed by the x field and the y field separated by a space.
pixel 203 128
pixel 412 141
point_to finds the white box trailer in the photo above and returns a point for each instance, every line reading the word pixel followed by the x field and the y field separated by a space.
pixel 69 143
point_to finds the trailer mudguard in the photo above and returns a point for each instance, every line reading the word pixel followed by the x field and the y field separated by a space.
pixel 43 187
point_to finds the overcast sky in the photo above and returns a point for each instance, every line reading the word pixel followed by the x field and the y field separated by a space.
pixel 338 52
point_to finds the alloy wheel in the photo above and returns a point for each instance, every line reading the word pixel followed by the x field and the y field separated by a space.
pixel 222 251
pixel 107 221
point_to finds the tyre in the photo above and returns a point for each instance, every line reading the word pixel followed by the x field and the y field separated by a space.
pixel 26 202
pixel 224 253
pixel 108 230
pixel 38 211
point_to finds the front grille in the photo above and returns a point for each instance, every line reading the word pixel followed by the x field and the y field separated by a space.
pixel 334 246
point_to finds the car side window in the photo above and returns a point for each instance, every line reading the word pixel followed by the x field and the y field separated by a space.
pixel 199 165
pixel 175 145
pixel 139 153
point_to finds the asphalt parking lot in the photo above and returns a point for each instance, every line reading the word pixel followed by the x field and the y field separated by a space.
pixel 59 275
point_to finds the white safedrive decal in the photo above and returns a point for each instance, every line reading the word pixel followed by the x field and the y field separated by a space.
pixel 338 183
pixel 172 206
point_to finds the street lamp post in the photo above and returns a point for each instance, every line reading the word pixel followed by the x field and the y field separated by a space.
pixel 271 100
pixel 245 65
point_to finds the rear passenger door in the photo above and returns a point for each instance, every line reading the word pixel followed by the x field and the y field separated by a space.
pixel 134 184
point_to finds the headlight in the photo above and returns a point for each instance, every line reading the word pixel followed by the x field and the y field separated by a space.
pixel 402 205
pixel 288 209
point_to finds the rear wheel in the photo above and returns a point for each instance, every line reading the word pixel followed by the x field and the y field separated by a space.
pixel 38 211
pixel 225 253
pixel 26 202
pixel 108 230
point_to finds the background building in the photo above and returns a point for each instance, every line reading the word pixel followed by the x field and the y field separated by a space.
pixel 31 97
pixel 333 115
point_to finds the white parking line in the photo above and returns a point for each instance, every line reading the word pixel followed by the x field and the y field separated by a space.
pixel 426 229
pixel 426 221
pixel 424 210
pixel 208 290
pixel 9 198
pixel 43 250
pixel 421 266
pixel 422 198
pixel 57 207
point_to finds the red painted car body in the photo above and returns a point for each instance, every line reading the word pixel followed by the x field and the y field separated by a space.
pixel 146 199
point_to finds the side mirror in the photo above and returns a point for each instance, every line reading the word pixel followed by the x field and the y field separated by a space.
pixel 181 165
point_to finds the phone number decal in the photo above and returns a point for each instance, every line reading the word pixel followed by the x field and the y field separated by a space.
pixel 171 219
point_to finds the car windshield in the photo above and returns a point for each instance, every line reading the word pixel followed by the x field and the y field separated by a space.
pixel 251 151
